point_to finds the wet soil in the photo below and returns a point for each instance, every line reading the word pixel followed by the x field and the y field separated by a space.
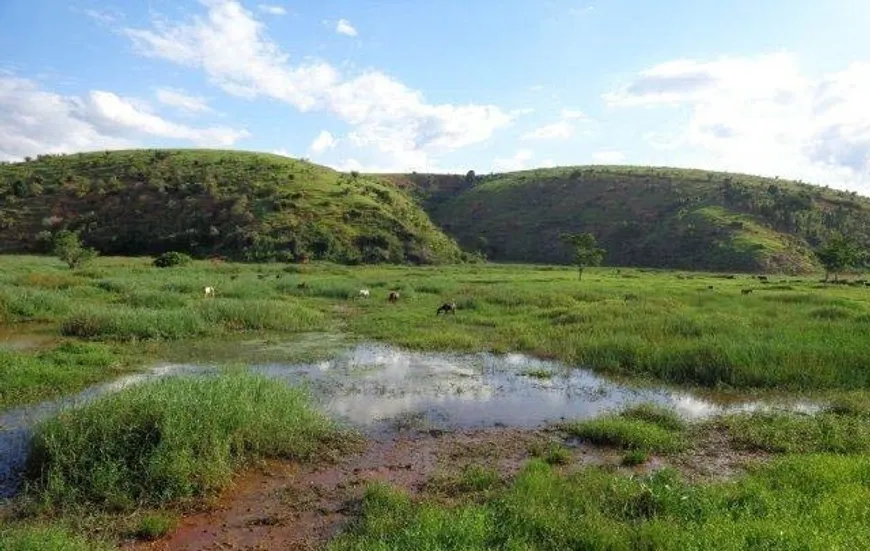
pixel 281 505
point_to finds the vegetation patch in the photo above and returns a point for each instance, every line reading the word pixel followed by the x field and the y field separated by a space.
pixel 47 538
pixel 776 432
pixel 69 367
pixel 646 428
pixel 170 441
pixel 815 502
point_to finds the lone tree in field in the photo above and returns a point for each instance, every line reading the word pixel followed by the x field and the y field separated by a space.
pixel 837 255
pixel 68 247
pixel 585 251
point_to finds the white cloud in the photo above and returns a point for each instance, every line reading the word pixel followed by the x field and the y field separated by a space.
pixel 272 9
pixel 536 87
pixel 548 163
pixel 762 115
pixel 283 152
pixel 561 130
pixel 571 114
pixel 386 116
pixel 102 17
pixel 518 161
pixel 608 157
pixel 344 27
pixel 34 121
pixel 183 101
pixel 323 142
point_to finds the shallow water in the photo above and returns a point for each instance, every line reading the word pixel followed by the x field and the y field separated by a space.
pixel 379 388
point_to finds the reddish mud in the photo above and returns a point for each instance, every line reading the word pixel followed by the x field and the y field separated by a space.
pixel 287 506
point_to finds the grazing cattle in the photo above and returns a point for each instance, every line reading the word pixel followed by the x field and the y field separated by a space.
pixel 302 285
pixel 762 278
pixel 364 293
pixel 745 291
pixel 394 296
pixel 710 287
pixel 208 291
pixel 446 307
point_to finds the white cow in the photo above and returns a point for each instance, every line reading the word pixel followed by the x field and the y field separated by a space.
pixel 209 291
pixel 364 293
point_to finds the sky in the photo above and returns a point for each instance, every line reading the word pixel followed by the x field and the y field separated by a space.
pixel 770 87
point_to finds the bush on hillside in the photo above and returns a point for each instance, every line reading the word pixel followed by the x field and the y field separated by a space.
pixel 170 259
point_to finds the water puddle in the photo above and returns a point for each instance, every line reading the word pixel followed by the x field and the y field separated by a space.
pixel 17 337
pixel 379 389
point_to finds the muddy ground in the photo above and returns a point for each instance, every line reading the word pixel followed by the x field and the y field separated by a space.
pixel 284 505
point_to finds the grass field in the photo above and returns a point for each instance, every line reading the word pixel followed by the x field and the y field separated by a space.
pixel 694 329
pixel 147 449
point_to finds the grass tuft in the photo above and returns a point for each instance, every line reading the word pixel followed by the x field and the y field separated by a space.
pixel 170 441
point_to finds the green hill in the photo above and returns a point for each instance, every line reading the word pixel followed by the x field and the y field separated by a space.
pixel 255 206
pixel 657 217
pixel 240 205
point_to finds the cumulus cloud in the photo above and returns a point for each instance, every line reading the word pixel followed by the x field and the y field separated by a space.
pixel 570 114
pixel 344 27
pixel 34 121
pixel 383 114
pixel 517 161
pixel 763 115
pixel 608 157
pixel 182 101
pixel 272 9
pixel 323 142
pixel 561 130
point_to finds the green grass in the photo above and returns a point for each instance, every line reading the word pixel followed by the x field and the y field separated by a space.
pixel 653 324
pixel 632 458
pixel 796 433
pixel 154 526
pixel 812 502
pixel 66 368
pixel 47 538
pixel 645 428
pixel 170 441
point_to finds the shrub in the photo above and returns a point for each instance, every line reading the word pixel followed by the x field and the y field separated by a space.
pixel 170 259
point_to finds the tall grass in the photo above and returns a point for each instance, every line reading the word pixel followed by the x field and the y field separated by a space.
pixel 812 502
pixel 646 427
pixel 27 376
pixel 170 441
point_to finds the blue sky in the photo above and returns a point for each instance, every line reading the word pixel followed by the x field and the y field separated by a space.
pixel 773 87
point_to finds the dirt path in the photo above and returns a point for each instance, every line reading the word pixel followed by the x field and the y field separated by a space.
pixel 282 505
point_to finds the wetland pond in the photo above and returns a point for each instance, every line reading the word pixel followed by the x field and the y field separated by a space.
pixel 380 389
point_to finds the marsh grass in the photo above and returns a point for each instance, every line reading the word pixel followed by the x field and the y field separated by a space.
pixel 170 441
pixel 646 428
pixel 650 324
pixel 30 376
pixel 844 431
pixel 813 502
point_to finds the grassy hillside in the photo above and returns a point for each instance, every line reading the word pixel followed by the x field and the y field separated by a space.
pixel 660 217
pixel 241 205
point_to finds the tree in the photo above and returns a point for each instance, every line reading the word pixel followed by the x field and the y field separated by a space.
pixel 837 255
pixel 585 251
pixel 68 247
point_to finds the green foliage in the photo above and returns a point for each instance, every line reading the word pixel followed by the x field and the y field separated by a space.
pixel 644 216
pixel 585 252
pixel 240 205
pixel 838 255
pixel 46 538
pixel 795 433
pixel 68 247
pixel 153 526
pixel 646 428
pixel 814 502
pixel 172 258
pixel 169 441
pixel 30 376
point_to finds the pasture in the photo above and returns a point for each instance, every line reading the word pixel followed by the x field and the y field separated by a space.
pixel 64 330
